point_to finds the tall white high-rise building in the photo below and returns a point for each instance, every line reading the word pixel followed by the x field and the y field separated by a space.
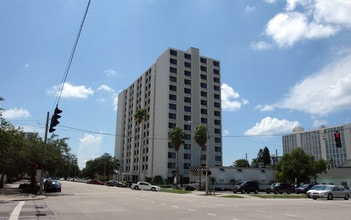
pixel 181 89
pixel 321 143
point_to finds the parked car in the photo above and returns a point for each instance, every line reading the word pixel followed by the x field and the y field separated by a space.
pixel 280 188
pixel 247 187
pixel 329 191
pixel 52 186
pixel 94 181
pixel 115 183
pixel 144 186
pixel 303 188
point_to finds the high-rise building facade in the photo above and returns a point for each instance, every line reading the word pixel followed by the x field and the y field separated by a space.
pixel 181 89
pixel 321 143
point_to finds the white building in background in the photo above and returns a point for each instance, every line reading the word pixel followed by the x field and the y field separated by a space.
pixel 320 143
pixel 182 88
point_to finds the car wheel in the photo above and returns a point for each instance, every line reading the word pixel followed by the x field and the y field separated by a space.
pixel 276 191
pixel 288 192
pixel 153 189
pixel 330 196
pixel 256 191
pixel 347 197
pixel 136 187
pixel 243 191
pixel 314 198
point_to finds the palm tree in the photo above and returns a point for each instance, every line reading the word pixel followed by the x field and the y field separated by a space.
pixel 140 116
pixel 177 138
pixel 200 137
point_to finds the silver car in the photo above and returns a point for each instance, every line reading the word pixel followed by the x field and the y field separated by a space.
pixel 328 191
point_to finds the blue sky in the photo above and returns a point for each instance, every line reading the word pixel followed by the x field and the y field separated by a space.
pixel 283 64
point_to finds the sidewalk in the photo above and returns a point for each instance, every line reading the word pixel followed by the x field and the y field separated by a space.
pixel 11 192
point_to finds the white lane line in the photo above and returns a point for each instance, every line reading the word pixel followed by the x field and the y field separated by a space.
pixel 15 213
pixel 212 214
pixel 192 210
pixel 291 215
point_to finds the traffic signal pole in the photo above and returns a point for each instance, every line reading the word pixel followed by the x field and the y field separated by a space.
pixel 43 157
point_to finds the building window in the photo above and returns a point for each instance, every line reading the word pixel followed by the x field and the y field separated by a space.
pixel 187 166
pixel 203 94
pixel 216 88
pixel 216 71
pixel 173 97
pixel 204 77
pixel 218 158
pixel 187 73
pixel 216 79
pixel 203 60
pixel 218 140
pixel 173 70
pixel 187 156
pixel 172 106
pixel 173 52
pixel 171 155
pixel 172 116
pixel 187 99
pixel 187 127
pixel 186 64
pixel 215 63
pixel 217 113
pixel 187 90
pixel 187 146
pixel 171 125
pixel 217 131
pixel 171 165
pixel 204 111
pixel 204 120
pixel 204 102
pixel 217 105
pixel 203 68
pixel 187 81
pixel 187 108
pixel 173 61
pixel 187 136
pixel 187 118
pixel 217 122
pixel 172 88
pixel 216 96
pixel 218 149
pixel 203 85
pixel 187 56
pixel 172 78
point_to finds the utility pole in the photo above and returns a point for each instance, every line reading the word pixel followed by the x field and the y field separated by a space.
pixel 207 161
pixel 43 157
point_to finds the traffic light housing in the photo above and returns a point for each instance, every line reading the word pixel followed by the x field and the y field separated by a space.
pixel 55 119
pixel 37 166
pixel 337 139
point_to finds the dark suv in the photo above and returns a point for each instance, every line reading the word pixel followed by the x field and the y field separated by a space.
pixel 280 188
pixel 247 187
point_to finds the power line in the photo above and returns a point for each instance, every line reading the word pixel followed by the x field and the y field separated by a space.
pixel 72 54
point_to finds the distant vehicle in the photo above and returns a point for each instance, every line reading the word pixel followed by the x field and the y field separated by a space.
pixel 94 181
pixel 52 186
pixel 115 183
pixel 280 188
pixel 144 186
pixel 247 187
pixel 329 192
pixel 303 188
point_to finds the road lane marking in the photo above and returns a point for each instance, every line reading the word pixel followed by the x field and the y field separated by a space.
pixel 192 210
pixel 15 213
pixel 211 214
pixel 291 215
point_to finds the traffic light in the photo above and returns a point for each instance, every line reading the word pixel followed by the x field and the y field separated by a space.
pixel 55 119
pixel 37 166
pixel 337 139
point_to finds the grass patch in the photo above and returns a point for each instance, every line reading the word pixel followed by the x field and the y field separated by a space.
pixel 281 196
pixel 178 191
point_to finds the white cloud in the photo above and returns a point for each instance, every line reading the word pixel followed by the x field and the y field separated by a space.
pixel 270 1
pixel 230 99
pixel 249 9
pixel 312 20
pixel 111 72
pixel 26 65
pixel 70 91
pixel 89 146
pixel 324 92
pixel 15 113
pixel 265 108
pixel 270 126
pixel 319 123
pixel 106 88
pixel 262 45
pixel 114 95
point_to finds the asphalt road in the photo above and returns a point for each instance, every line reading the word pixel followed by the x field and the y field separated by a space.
pixel 83 201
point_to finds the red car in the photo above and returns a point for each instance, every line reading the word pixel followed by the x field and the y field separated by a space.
pixel 94 181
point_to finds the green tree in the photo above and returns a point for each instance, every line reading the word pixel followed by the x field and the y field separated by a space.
pixel 101 167
pixel 201 136
pixel 140 116
pixel 298 166
pixel 241 163
pixel 176 137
